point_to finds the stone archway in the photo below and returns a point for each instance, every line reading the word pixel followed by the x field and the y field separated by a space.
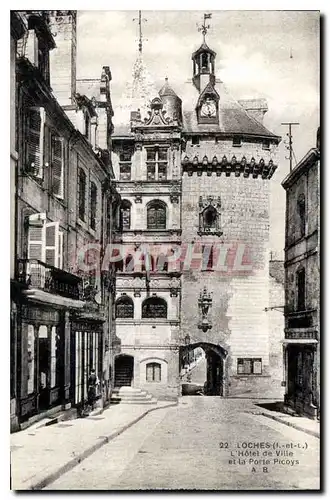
pixel 215 379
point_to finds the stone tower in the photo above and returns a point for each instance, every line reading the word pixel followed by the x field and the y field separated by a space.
pixel 194 174
pixel 228 160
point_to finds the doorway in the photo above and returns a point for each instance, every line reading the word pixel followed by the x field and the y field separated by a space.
pixel 124 370
pixel 202 369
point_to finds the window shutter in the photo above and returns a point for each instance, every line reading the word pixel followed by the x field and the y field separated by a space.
pixel 60 250
pixel 52 243
pixel 57 165
pixel 35 141
pixel 36 240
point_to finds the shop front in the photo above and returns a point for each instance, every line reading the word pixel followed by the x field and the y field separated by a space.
pixel 41 355
pixel 86 354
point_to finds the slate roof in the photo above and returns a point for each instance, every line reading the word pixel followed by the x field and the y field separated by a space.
pixel 233 118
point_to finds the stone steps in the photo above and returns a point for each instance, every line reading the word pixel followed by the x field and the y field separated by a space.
pixel 131 395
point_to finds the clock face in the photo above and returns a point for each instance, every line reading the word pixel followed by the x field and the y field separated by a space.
pixel 209 108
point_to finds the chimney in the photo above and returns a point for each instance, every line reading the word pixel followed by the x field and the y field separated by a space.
pixel 256 108
pixel 63 58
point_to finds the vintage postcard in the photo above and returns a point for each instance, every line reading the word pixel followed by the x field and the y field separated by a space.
pixel 165 250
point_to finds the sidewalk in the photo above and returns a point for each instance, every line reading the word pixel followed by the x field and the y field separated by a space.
pixel 39 455
pixel 300 423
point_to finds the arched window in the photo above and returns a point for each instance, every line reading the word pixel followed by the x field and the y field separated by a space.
pixel 156 215
pixel 210 218
pixel 124 307
pixel 153 372
pixel 125 215
pixel 154 307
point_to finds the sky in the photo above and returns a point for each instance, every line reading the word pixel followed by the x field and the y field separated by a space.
pixel 269 54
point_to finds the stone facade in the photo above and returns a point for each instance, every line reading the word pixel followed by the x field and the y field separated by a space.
pixel 302 285
pixel 215 193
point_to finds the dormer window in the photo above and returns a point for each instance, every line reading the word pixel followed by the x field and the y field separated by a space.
pixel 237 142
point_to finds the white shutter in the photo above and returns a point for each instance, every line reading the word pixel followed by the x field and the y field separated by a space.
pixel 60 250
pixel 35 141
pixel 51 243
pixel 36 239
pixel 57 165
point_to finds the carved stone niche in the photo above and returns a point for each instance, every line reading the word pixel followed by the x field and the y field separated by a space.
pixel 174 292
pixel 209 215
pixel 138 198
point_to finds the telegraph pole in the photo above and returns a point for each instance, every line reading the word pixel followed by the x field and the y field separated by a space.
pixel 289 134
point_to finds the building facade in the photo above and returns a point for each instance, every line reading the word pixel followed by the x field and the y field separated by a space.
pixel 64 205
pixel 302 285
pixel 194 175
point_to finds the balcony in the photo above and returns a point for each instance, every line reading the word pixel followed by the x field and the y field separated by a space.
pixel 40 276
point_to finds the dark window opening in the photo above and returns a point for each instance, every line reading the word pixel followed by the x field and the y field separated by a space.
pixel 129 263
pixel 205 62
pixel 266 145
pixel 301 290
pixel 125 165
pixel 237 141
pixel 156 215
pixel 210 216
pixel 302 214
pixel 195 140
pixel 162 263
pixel 249 366
pixel 153 372
pixel 81 194
pixel 157 159
pixel 208 254
pixel 124 307
pixel 125 215
pixel 93 205
pixel 154 307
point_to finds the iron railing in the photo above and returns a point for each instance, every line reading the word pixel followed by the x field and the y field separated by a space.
pixel 37 274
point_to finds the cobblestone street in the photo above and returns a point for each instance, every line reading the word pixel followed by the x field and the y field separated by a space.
pixel 186 448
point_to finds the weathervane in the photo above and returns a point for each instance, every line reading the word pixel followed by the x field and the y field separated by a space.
pixel 205 27
pixel 139 19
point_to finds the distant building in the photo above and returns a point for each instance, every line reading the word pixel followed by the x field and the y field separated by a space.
pixel 302 284
pixel 65 199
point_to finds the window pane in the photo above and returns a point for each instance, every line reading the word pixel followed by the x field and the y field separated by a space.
pixel 125 156
pixel 157 372
pixel 124 308
pixel 151 171
pixel 149 372
pixel 162 174
pixel 31 358
pixel 81 194
pixel 162 154
pixel 154 308
pixel 257 366
pixel 151 154
pixel 125 172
